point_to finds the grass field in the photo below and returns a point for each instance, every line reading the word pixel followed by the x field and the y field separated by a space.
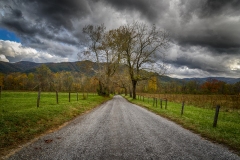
pixel 21 120
pixel 200 120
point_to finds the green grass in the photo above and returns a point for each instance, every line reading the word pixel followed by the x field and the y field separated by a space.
pixel 200 121
pixel 21 120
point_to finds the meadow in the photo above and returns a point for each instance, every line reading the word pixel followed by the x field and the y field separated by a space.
pixel 199 120
pixel 21 120
pixel 227 102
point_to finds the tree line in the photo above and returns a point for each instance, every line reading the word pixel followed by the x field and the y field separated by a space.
pixel 47 80
pixel 120 83
pixel 211 86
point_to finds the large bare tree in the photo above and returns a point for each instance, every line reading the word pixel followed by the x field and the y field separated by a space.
pixel 136 45
pixel 105 54
pixel 141 49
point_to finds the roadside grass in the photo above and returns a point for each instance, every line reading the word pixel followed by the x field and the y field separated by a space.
pixel 200 121
pixel 21 120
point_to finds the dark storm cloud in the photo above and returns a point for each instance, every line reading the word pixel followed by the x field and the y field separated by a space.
pixel 17 13
pixel 151 9
pixel 220 43
pixel 201 61
pixel 46 19
pixel 208 8
pixel 45 26
pixel 200 64
pixel 220 7
pixel 209 23
pixel 21 27
pixel 187 56
pixel 59 12
pixel 28 33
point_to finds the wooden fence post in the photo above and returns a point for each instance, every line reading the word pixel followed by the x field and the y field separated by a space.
pixel 161 102
pixel 38 98
pixel 69 96
pixel 182 108
pixel 0 92
pixel 166 104
pixel 216 116
pixel 156 102
pixel 57 97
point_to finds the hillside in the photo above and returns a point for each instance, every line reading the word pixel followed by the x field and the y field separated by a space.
pixel 224 79
pixel 27 67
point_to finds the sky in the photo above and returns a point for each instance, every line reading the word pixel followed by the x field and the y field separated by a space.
pixel 204 34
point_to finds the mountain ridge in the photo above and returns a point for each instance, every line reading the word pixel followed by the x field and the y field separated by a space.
pixel 224 79
pixel 81 66
pixel 27 67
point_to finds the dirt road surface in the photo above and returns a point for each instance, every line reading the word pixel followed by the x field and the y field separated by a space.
pixel 121 130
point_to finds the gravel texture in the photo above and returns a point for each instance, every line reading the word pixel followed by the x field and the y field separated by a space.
pixel 121 130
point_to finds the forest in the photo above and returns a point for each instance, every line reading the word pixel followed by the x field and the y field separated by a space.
pixel 120 83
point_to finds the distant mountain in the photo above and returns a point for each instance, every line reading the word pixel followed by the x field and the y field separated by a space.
pixel 224 79
pixel 27 67
pixel 89 67
pixel 6 67
pixel 166 79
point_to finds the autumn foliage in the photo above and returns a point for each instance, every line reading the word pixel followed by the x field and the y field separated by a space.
pixel 48 81
pixel 212 86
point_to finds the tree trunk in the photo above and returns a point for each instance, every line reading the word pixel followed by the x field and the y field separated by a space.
pixel 39 94
pixel 130 91
pixel 125 91
pixel 134 84
pixel 100 88
pixel 103 90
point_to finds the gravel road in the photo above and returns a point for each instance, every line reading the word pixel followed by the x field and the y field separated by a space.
pixel 121 130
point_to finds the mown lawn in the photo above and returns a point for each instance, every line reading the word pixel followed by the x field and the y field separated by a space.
pixel 200 120
pixel 21 120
